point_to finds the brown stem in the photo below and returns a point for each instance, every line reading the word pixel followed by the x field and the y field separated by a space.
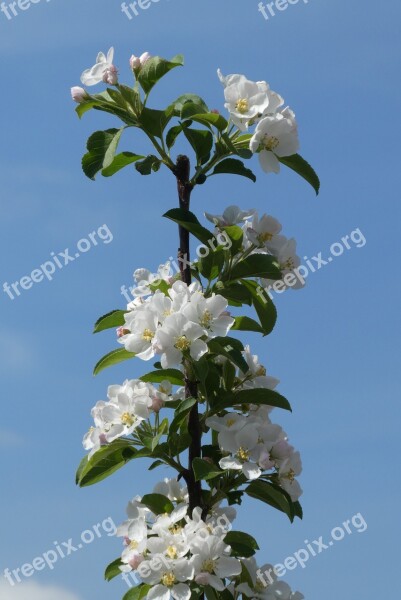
pixel 182 173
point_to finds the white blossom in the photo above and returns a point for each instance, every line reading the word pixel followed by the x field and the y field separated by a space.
pixel 96 73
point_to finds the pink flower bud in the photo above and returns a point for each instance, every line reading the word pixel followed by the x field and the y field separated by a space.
pixel 122 331
pixel 78 94
pixel 136 561
pixel 135 62
pixel 110 75
pixel 157 404
pixel 144 58
pixel 215 111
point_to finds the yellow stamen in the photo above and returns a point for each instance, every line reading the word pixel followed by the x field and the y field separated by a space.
pixel 168 579
pixel 242 105
pixel 182 343
pixel 148 335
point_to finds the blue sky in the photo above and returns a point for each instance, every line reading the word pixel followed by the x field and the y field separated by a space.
pixel 334 348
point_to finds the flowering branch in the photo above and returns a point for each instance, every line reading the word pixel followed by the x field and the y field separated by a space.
pixel 180 539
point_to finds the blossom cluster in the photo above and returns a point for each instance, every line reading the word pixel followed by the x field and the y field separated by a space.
pixel 175 325
pixel 250 103
pixel 175 553
pixel 127 407
pixel 262 234
pixel 251 442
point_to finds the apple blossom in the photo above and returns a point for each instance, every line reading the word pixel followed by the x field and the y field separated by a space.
pixel 245 100
pixel 275 136
pixel 179 335
pixel 212 563
pixel 96 73
pixel 231 216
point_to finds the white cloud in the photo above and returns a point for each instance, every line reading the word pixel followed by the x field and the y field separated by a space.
pixel 34 591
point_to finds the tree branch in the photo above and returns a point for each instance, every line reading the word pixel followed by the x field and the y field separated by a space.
pixel 184 187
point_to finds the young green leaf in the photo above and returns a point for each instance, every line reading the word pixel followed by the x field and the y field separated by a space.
pixel 113 570
pixel 256 265
pixel 105 462
pixel 156 68
pixel 263 305
pixel 102 146
pixel 115 318
pixel 234 166
pixel 120 161
pixel 112 358
pixel 151 163
pixel 158 503
pixel 246 324
pixel 174 376
pixel 137 593
pixel 203 469
pixel 303 168
pixel 273 495
pixel 242 544
pixel 189 221
pixel 201 141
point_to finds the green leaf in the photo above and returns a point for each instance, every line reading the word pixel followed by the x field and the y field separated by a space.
pixel 181 414
pixel 235 167
pixel 246 324
pixel 158 503
pixel 242 544
pixel 229 374
pixel 105 462
pixel 210 119
pixel 174 376
pixel 191 108
pixel 303 168
pixel 211 264
pixel 115 318
pixel 176 107
pixel 151 163
pixel 224 347
pixel 172 135
pixel 202 143
pixel 263 305
pixel 204 470
pixel 257 265
pixel 155 68
pixel 155 464
pixel 272 495
pixel 189 221
pixel 102 146
pixel 236 293
pixel 112 358
pixel 153 121
pixel 120 161
pixel 132 97
pixel 137 593
pixel 113 570
pixel 254 396
pixel 236 236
